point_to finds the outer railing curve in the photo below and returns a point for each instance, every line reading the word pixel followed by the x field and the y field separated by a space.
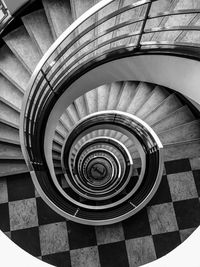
pixel 65 55
pixel 91 38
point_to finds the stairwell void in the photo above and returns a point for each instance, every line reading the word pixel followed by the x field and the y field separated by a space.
pixel 103 132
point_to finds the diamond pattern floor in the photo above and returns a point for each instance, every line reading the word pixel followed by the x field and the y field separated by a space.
pixel 170 217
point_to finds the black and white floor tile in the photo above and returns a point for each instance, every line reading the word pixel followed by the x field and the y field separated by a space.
pixel 170 217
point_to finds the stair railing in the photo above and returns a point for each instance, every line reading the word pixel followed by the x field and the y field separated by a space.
pixel 4 15
pixel 71 52
pixel 49 70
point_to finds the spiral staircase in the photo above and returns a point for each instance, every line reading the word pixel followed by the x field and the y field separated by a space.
pixel 95 154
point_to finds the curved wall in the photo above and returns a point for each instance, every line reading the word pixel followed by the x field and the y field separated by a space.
pixel 173 72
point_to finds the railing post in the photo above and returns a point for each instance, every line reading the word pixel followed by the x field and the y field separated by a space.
pixel 48 82
pixel 144 23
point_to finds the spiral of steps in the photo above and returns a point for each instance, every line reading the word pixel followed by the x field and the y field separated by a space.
pixel 23 49
pixel 161 108
pixel 171 117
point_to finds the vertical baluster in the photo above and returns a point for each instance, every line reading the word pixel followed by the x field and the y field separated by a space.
pixel 144 23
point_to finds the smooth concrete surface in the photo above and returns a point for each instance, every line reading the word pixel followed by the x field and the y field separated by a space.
pixel 38 28
pixel 59 16
pixel 13 70
pixel 20 43
pixel 13 255
pixel 186 254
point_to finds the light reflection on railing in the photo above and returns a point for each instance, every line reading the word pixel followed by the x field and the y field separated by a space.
pixel 5 15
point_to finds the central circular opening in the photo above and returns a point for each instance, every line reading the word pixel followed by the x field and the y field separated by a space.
pixel 98 171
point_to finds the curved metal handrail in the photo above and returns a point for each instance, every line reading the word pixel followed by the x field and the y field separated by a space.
pixel 39 69
pixel 80 21
pixel 150 145
pixel 52 70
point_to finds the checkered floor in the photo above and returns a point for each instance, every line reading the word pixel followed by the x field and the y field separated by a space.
pixel 171 216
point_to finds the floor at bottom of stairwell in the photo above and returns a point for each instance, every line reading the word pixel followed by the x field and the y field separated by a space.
pixel 170 217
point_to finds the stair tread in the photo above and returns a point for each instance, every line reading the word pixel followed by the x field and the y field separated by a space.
pixel 38 28
pixel 183 142
pixel 168 138
pixel 128 92
pixel 9 114
pixel 57 165
pixel 60 129
pixel 184 132
pixel 10 173
pixel 102 96
pixel 59 15
pixel 58 142
pixel 56 151
pixel 55 157
pixel 180 150
pixel 91 101
pixel 9 104
pixel 7 132
pixel 13 70
pixel 59 134
pixel 144 90
pixel 80 106
pixel 13 125
pixel 58 138
pixel 118 135
pixel 11 157
pixel 73 114
pixel 10 93
pixel 176 118
pixel 66 121
pixel 10 150
pixel 64 126
pixel 6 140
pixel 10 167
pixel 166 107
pixel 98 133
pixel 114 95
pixel 157 96
pixel 57 147
pixel 21 44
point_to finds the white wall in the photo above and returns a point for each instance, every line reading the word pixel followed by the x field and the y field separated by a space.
pixel 12 255
pixel 185 255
